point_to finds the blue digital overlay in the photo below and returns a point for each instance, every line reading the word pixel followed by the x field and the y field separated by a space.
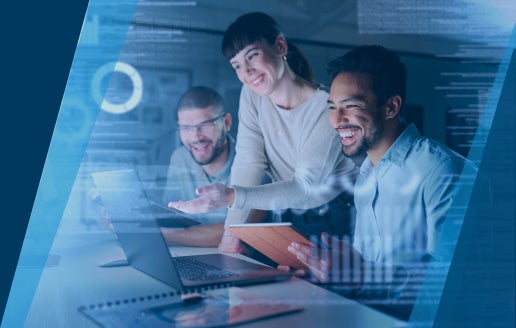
pixel 104 29
pixel 478 289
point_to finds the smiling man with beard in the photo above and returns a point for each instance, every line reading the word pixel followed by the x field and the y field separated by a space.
pixel 409 195
pixel 205 157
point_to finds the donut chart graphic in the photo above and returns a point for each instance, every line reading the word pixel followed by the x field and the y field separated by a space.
pixel 136 80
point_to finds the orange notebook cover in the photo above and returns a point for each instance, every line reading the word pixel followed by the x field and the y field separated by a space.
pixel 272 239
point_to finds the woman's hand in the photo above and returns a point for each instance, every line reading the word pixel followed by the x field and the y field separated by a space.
pixel 210 197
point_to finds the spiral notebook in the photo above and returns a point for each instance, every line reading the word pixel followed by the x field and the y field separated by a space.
pixel 213 308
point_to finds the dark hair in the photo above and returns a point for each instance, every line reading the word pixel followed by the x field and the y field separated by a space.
pixel 254 27
pixel 388 73
pixel 201 97
pixel 297 61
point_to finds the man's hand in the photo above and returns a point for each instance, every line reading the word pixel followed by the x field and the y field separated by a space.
pixel 311 257
pixel 210 197
pixel 230 244
pixel 331 261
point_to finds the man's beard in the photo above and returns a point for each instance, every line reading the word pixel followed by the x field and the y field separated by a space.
pixel 218 149
pixel 366 143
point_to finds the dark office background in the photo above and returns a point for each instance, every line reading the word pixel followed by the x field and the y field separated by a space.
pixel 173 46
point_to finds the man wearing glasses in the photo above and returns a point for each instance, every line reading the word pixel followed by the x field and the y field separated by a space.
pixel 205 157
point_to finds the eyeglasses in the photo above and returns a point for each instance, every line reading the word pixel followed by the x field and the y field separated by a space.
pixel 201 127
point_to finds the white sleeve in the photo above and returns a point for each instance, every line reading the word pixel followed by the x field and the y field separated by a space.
pixel 320 174
pixel 321 170
pixel 250 160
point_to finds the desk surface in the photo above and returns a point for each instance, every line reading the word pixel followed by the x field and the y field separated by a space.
pixel 77 280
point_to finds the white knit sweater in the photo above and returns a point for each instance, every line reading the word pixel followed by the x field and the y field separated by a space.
pixel 297 148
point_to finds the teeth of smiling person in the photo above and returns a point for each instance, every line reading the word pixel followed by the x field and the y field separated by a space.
pixel 347 134
pixel 256 81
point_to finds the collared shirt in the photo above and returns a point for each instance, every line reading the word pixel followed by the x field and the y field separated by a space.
pixel 185 175
pixel 402 202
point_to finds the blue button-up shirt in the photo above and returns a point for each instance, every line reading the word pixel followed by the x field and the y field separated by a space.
pixel 402 201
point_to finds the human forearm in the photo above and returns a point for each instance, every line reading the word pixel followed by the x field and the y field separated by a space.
pixel 202 236
pixel 292 193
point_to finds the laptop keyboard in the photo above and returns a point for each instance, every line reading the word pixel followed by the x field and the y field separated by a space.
pixel 193 270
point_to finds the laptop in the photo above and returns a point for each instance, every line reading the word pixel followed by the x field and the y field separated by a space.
pixel 147 251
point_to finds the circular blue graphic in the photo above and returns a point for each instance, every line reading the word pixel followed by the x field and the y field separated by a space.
pixel 136 80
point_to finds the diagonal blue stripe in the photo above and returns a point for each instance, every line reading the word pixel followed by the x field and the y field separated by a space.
pixel 444 299
pixel 71 134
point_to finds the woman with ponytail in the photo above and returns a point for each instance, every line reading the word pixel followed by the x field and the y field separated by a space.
pixel 283 132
